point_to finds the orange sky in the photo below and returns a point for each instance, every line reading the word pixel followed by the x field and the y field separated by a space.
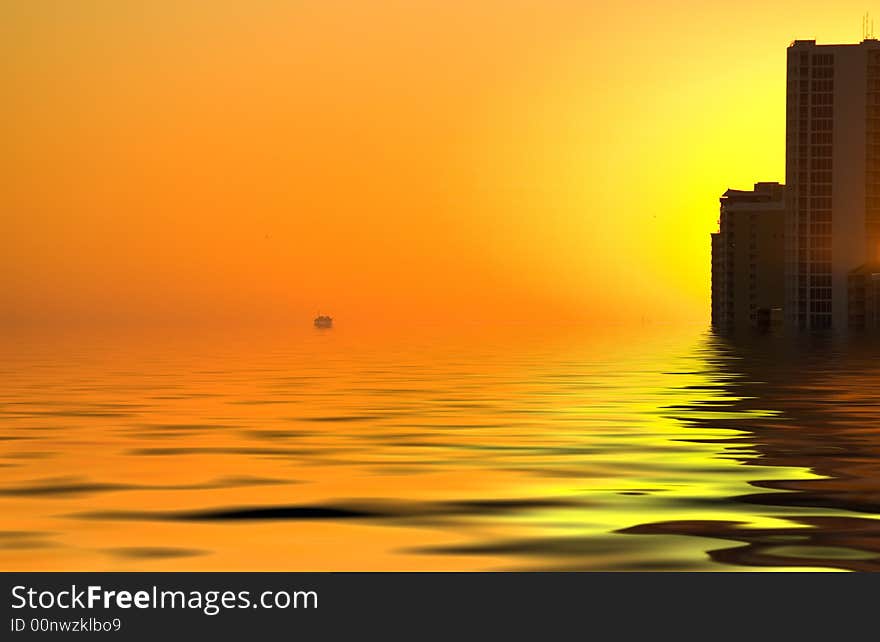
pixel 183 162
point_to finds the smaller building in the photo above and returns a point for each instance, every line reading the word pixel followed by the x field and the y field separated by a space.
pixel 717 275
pixel 863 297
pixel 748 260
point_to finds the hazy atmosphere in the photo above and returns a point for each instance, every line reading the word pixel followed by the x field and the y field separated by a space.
pixel 424 285
pixel 256 163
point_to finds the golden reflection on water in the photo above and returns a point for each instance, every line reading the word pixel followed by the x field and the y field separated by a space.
pixel 632 450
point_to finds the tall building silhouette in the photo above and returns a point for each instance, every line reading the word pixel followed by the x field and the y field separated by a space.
pixel 832 169
pixel 747 258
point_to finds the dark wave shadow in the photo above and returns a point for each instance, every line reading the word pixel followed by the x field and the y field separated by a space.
pixel 154 552
pixel 74 486
pixel 368 510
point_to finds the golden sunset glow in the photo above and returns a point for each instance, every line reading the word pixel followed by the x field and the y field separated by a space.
pixel 229 162
pixel 425 285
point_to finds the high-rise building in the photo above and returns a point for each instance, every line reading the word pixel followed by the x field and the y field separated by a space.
pixel 832 169
pixel 748 288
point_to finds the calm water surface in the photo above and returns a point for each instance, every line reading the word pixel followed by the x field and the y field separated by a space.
pixel 641 450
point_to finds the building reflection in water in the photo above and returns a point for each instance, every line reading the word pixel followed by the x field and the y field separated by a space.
pixel 814 403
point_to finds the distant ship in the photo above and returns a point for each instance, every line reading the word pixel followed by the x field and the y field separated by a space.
pixel 323 322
